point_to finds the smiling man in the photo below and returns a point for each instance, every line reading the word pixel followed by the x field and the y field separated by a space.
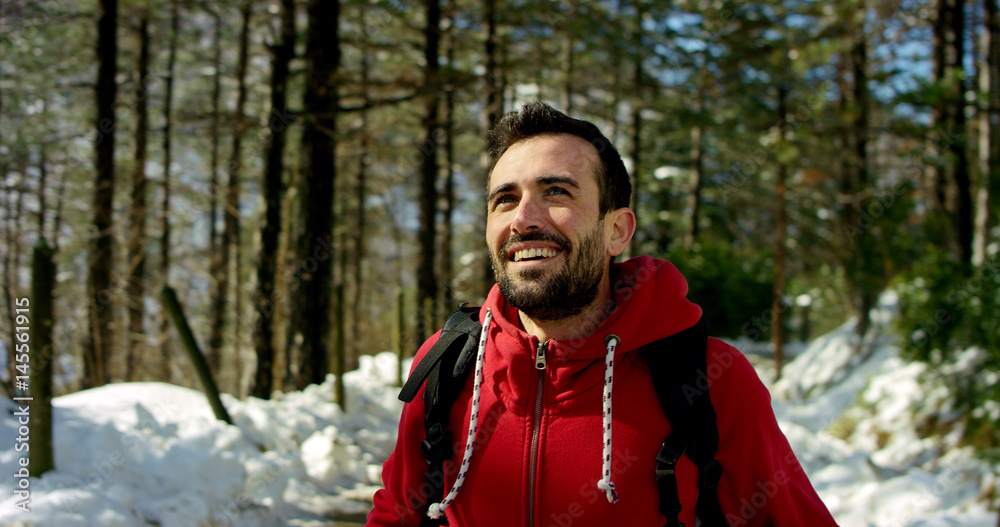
pixel 579 363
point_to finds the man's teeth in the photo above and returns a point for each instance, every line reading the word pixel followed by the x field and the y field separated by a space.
pixel 527 254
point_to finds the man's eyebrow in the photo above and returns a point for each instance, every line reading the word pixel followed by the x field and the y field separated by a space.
pixel 555 180
pixel 506 187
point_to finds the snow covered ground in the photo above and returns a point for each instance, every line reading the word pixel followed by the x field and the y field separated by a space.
pixel 152 454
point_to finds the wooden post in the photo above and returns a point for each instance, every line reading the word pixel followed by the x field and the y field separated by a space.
pixel 43 272
pixel 170 303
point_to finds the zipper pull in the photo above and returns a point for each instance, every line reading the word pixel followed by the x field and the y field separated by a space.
pixel 540 355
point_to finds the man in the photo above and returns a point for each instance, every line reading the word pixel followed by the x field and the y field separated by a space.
pixel 544 448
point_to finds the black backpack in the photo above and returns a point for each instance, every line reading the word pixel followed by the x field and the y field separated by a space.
pixel 680 381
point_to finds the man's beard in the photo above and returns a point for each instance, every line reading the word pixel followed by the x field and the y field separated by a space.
pixel 568 291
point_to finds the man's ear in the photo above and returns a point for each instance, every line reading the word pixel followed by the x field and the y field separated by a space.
pixel 619 226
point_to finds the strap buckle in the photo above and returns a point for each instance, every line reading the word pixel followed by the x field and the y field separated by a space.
pixel 710 475
pixel 431 446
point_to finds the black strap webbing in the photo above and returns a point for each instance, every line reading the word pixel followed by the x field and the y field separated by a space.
pixel 678 368
pixel 444 369
pixel 461 330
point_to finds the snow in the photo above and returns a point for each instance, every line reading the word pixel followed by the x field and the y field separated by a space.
pixel 136 454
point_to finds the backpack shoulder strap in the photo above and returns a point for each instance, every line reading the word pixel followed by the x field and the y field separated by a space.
pixel 444 369
pixel 678 367
pixel 454 340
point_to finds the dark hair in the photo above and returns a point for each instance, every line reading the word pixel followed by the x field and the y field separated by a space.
pixel 540 119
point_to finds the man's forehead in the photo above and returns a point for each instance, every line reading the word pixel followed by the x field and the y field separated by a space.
pixel 563 155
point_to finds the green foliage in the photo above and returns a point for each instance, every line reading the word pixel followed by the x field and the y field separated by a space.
pixel 948 319
pixel 733 287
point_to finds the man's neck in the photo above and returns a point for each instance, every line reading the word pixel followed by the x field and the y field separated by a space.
pixel 580 325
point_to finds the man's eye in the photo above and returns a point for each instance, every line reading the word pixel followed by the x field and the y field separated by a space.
pixel 503 199
pixel 558 190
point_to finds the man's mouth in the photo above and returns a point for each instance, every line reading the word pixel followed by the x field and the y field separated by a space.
pixel 536 253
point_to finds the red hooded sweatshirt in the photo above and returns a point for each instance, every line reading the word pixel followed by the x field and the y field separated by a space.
pixel 538 449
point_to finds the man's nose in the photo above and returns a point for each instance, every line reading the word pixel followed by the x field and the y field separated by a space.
pixel 528 216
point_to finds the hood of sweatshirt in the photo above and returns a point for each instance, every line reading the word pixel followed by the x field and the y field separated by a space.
pixel 649 304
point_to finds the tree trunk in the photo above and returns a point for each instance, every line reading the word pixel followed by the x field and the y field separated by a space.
pixel 980 225
pixel 959 147
pixel 492 109
pixel 638 104
pixel 697 168
pixel 937 174
pixel 57 219
pixel 272 189
pixel 137 215
pixel 567 62
pixel 992 180
pixel 9 279
pixel 43 173
pixel 361 196
pixel 232 210
pixel 318 176
pixel 100 340
pixel 216 139
pixel 339 367
pixel 43 273
pixel 866 282
pixel 780 228
pixel 284 327
pixel 427 286
pixel 165 343
pixel 173 306
pixel 447 267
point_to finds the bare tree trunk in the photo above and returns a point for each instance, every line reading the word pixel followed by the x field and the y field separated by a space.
pixel 57 219
pixel 780 228
pixel 697 169
pixel 992 181
pixel 43 273
pixel 100 340
pixel 427 286
pixel 273 189
pixel 638 104
pixel 284 326
pixel 980 225
pixel 447 267
pixel 866 281
pixel 937 174
pixel 319 174
pixel 215 138
pixel 567 62
pixel 231 230
pixel 137 216
pixel 43 173
pixel 360 192
pixel 12 259
pixel 492 110
pixel 165 347
pixel 959 147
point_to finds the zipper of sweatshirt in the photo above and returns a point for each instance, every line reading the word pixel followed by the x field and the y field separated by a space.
pixel 533 471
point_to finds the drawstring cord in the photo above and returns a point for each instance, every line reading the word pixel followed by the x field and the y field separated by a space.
pixel 605 483
pixel 437 509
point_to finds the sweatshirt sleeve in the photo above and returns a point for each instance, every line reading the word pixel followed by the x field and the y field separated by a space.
pixel 763 483
pixel 403 494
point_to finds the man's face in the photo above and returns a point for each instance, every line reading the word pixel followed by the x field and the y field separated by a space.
pixel 547 240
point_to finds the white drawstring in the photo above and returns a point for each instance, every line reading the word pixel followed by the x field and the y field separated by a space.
pixel 437 509
pixel 605 483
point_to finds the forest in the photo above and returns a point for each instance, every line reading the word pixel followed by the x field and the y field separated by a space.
pixel 308 175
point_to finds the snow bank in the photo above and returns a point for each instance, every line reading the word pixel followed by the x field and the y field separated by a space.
pixel 150 453
pixel 855 420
